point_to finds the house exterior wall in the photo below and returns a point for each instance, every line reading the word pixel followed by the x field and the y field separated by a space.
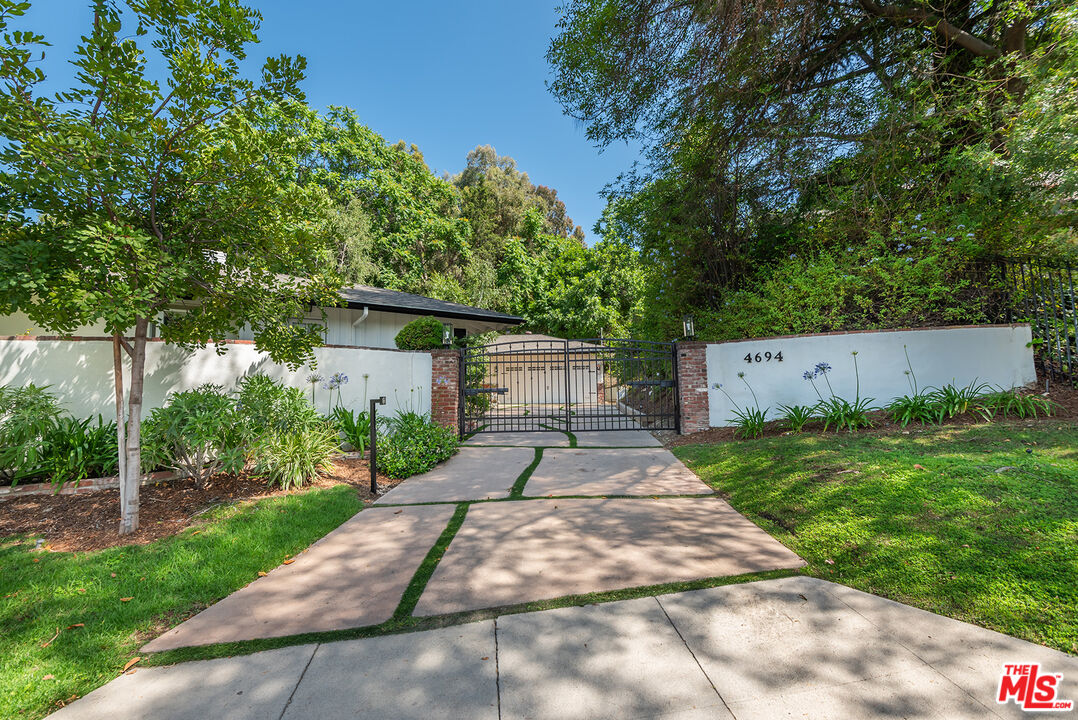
pixel 80 372
pixel 995 354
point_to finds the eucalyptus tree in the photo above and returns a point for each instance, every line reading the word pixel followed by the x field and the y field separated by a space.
pixel 163 177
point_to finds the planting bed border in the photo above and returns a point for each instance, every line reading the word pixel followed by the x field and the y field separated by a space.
pixel 84 486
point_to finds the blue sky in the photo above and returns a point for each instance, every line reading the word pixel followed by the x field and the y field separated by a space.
pixel 446 76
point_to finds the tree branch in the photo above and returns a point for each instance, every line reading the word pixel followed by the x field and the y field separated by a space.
pixel 956 34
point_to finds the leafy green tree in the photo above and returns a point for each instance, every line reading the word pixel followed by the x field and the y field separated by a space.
pixel 126 199
pixel 496 196
pixel 414 227
pixel 777 130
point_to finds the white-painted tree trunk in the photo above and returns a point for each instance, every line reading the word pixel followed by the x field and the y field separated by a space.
pixel 129 482
pixel 121 450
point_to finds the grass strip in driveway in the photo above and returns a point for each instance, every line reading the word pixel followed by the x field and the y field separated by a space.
pixel 517 492
pixel 978 523
pixel 417 624
pixel 430 562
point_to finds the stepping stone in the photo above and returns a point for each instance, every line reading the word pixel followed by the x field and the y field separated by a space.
pixel 615 438
pixel 248 687
pixel 514 552
pixel 632 471
pixel 475 473
pixel 522 439
pixel 618 660
pixel 353 577
pixel 450 672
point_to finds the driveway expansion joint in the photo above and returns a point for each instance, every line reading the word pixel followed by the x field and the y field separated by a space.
pixel 298 681
pixel 695 659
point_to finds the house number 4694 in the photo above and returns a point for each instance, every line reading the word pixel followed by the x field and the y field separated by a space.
pixel 763 357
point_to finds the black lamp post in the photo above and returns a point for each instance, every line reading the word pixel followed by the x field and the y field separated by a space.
pixel 375 402
pixel 687 327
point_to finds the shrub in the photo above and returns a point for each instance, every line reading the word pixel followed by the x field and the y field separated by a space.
pixel 423 333
pixel 949 401
pixel 1006 402
pixel 835 410
pixel 795 417
pixel 294 457
pixel 27 415
pixel 414 445
pixel 749 422
pixel 197 433
pixel 913 408
pixel 75 450
pixel 844 415
pixel 356 427
pixel 265 405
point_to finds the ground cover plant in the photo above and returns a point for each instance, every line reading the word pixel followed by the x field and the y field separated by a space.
pixel 979 523
pixel 69 622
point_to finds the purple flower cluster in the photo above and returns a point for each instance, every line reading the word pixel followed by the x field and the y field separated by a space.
pixel 335 381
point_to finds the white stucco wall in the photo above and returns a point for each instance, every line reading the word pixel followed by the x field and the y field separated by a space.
pixel 994 354
pixel 80 373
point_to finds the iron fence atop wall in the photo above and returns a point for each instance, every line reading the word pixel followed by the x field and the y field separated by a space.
pixel 1042 293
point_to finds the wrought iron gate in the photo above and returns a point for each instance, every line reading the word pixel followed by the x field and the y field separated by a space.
pixel 548 384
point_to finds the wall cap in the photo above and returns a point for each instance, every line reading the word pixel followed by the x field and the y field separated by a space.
pixel 82 338
pixel 862 332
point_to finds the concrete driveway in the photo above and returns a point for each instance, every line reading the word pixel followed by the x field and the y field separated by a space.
pixel 540 522
pixel 540 516
pixel 791 648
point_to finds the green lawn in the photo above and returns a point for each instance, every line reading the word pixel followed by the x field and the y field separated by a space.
pixel 965 522
pixel 42 592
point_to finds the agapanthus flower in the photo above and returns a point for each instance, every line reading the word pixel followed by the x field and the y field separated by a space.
pixel 823 368
pixel 314 378
pixel 809 375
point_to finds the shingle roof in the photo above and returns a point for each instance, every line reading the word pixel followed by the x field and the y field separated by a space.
pixel 402 302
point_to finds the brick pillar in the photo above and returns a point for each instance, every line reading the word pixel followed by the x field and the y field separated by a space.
pixel 692 386
pixel 445 387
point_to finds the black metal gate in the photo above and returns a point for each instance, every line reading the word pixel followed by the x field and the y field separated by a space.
pixel 549 384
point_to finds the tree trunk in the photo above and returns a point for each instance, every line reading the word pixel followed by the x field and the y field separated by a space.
pixel 121 450
pixel 133 472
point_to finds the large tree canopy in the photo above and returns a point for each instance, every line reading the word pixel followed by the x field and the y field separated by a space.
pixel 778 129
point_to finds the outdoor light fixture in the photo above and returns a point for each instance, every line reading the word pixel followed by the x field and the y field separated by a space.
pixel 447 334
pixel 373 461
pixel 687 327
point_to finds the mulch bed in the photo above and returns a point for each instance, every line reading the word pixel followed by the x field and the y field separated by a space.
pixel 1063 394
pixel 89 522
